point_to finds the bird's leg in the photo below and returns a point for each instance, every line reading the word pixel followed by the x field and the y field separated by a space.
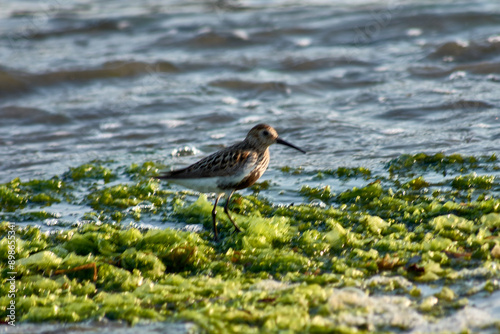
pixel 214 217
pixel 226 210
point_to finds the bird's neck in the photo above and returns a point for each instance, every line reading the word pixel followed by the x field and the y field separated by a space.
pixel 254 146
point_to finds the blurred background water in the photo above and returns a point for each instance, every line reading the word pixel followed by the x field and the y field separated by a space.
pixel 354 82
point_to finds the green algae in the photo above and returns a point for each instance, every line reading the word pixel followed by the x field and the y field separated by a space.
pixel 324 194
pixel 473 181
pixel 354 264
pixel 343 173
pixel 364 194
pixel 346 173
pixel 93 171
pixel 259 186
pixel 438 162
pixel 416 184
pixel 16 194
pixel 126 195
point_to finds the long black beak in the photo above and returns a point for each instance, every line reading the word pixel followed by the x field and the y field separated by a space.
pixel 282 142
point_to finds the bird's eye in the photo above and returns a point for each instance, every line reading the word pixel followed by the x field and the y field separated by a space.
pixel 265 133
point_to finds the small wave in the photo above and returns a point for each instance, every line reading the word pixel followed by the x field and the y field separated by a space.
pixel 466 51
pixel 11 82
pixel 294 64
pixel 113 69
pixel 208 39
pixel 23 115
pixel 349 81
pixel 419 112
pixel 71 28
pixel 252 86
pixel 485 68
pixel 16 82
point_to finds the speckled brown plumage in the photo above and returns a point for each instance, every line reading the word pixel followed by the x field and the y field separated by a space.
pixel 221 163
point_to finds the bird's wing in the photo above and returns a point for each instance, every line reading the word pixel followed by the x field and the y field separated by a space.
pixel 222 163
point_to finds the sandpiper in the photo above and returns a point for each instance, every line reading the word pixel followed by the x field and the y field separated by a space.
pixel 233 168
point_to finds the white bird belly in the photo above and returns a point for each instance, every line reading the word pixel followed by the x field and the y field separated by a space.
pixel 208 184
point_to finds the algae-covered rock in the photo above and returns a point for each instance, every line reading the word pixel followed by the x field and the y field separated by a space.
pixel 428 303
pixel 112 278
pixel 336 237
pixel 177 250
pixel 314 243
pixel 446 294
pixel 371 191
pixel 198 212
pixel 148 264
pixel 265 232
pixel 375 224
pixel 15 245
pixel 452 222
pixel 473 181
pixel 416 184
pixel 82 244
pixel 11 196
pixel 147 169
pixel 432 272
pixel 16 194
pixel 495 252
pixel 491 220
pixel 62 309
pixel 129 237
pixel 126 195
pixel 324 194
pixel 94 170
pixel 42 261
pixel 124 306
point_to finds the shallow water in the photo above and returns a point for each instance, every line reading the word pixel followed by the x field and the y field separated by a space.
pixel 355 83
pixel 100 327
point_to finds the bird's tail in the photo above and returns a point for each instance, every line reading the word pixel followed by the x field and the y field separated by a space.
pixel 173 174
pixel 164 175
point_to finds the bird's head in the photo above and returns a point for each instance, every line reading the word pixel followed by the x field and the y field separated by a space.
pixel 262 136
